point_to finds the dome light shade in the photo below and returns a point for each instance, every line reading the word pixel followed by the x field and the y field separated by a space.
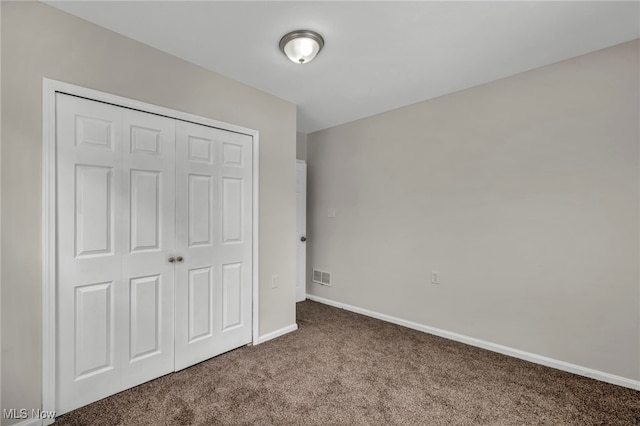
pixel 301 46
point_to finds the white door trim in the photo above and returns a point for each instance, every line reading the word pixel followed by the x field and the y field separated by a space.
pixel 49 90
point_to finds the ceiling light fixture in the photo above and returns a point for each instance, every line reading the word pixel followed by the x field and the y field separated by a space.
pixel 301 46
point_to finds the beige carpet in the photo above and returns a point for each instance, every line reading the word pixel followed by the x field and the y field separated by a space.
pixel 341 368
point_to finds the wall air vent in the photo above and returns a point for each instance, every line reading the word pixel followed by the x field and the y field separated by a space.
pixel 322 277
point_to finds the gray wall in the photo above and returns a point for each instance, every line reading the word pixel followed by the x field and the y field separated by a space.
pixel 524 195
pixel 301 146
pixel 39 41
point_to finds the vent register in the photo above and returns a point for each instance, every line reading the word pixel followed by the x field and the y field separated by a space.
pixel 321 277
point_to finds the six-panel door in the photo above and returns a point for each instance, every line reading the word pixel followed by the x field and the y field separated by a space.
pixel 118 295
pixel 214 235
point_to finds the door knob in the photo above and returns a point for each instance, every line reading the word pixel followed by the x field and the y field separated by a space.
pixel 171 259
pixel 179 258
pixel 303 239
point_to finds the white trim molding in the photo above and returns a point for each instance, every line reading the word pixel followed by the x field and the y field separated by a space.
pixel 49 271
pixel 279 332
pixel 49 90
pixel 256 248
pixel 494 347
pixel 34 422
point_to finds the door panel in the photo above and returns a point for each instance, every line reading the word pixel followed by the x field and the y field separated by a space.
pixel 148 229
pixel 145 210
pixel 89 307
pixel 235 273
pixel 214 211
pixel 146 318
pixel 116 172
pixel 232 210
pixel 200 210
pixel 231 295
pixel 145 141
pixel 93 210
pixel 196 214
pixel 301 231
pixel 200 307
pixel 154 247
pixel 93 329
pixel 95 132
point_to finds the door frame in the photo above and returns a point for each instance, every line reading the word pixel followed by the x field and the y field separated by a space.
pixel 301 164
pixel 49 89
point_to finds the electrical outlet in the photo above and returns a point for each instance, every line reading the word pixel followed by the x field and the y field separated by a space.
pixel 331 212
pixel 275 280
pixel 435 277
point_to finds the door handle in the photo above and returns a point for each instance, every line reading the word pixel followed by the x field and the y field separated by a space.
pixel 179 258
pixel 171 260
pixel 303 239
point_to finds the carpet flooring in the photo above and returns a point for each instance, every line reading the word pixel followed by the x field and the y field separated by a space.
pixel 342 368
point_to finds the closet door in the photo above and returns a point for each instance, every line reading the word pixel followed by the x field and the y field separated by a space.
pixel 214 239
pixel 116 224
pixel 149 243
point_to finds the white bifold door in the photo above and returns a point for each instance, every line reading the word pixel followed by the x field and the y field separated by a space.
pixel 154 247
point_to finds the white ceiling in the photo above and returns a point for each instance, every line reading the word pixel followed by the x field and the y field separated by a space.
pixel 378 56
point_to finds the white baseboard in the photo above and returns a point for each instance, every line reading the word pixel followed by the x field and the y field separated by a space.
pixel 31 422
pixel 35 421
pixel 280 332
pixel 516 353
